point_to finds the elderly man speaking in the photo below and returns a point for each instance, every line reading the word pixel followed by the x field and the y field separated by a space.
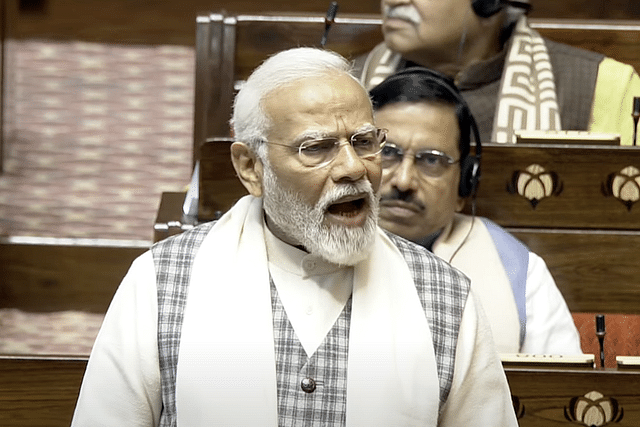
pixel 295 308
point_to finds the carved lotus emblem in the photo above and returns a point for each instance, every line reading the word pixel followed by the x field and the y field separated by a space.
pixel 624 186
pixel 534 184
pixel 593 410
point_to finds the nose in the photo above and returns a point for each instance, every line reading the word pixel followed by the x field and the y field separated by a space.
pixel 403 176
pixel 347 166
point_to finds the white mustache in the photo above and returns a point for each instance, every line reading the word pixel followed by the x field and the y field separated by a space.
pixel 336 193
pixel 403 11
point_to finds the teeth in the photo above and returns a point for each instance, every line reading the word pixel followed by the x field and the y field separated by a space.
pixel 348 208
pixel 349 214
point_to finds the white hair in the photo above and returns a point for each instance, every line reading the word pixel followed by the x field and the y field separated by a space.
pixel 250 122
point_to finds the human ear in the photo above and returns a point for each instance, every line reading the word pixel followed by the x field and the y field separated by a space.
pixel 248 167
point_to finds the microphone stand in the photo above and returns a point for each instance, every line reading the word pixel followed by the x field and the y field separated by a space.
pixel 636 116
pixel 328 21
pixel 600 333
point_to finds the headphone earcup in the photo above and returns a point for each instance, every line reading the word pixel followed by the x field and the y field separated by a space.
pixel 469 175
pixel 486 8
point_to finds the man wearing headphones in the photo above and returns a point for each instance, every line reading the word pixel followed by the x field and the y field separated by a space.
pixel 511 78
pixel 428 173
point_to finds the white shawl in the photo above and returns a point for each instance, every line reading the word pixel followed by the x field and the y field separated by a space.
pixel 467 245
pixel 226 371
pixel 527 97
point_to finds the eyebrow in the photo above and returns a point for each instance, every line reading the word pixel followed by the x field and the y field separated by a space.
pixel 433 151
pixel 317 134
pixel 365 128
pixel 310 135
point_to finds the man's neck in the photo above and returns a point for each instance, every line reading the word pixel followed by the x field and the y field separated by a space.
pixel 280 234
pixel 454 65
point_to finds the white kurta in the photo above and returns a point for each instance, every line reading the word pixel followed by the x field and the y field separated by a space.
pixel 549 325
pixel 122 382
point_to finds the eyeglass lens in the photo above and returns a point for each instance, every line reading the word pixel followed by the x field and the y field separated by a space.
pixel 430 163
pixel 365 144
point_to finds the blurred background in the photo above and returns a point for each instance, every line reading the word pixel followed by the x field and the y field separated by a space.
pixel 97 106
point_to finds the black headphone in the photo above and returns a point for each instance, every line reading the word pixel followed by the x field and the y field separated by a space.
pixel 487 8
pixel 398 88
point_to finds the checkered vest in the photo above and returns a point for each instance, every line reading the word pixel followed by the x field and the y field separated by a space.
pixel 442 290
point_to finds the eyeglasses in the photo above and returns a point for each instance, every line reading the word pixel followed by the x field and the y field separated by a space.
pixel 320 152
pixel 432 163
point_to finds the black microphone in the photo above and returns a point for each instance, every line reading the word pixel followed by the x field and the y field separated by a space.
pixel 600 332
pixel 636 115
pixel 328 21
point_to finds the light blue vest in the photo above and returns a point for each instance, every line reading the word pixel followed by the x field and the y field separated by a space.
pixel 515 260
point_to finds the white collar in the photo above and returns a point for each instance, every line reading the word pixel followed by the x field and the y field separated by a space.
pixel 313 291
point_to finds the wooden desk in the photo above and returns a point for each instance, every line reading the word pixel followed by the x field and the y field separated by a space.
pixel 586 233
pixel 39 391
pixel 48 274
pixel 556 397
pixel 588 187
pixel 42 392
pixel 575 206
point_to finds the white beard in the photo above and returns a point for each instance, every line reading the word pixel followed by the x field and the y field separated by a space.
pixel 304 224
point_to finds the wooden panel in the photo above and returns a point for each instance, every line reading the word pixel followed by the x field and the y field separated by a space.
pixel 39 391
pixel 229 48
pixel 208 78
pixel 619 40
pixel 219 188
pixel 160 21
pixel 596 271
pixel 579 191
pixel 258 37
pixel 580 233
pixel 42 391
pixel 52 277
pixel 586 9
pixel 543 395
pixel 149 22
pixel 587 237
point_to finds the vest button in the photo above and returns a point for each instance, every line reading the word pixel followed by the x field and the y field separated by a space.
pixel 308 385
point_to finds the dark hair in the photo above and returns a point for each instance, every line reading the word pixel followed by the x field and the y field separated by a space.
pixel 418 84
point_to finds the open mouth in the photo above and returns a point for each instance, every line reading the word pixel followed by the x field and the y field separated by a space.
pixel 348 209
